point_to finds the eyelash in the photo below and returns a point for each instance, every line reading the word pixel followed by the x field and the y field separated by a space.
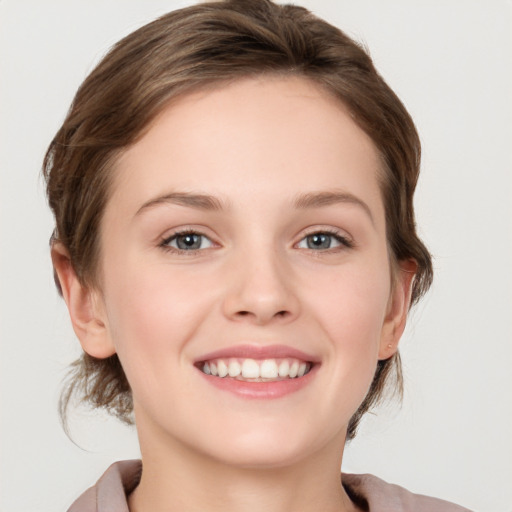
pixel 345 242
pixel 164 244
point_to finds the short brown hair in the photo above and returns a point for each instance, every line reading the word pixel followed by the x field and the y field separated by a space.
pixel 196 47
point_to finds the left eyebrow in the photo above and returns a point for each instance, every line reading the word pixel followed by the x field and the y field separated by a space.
pixel 198 201
pixel 328 198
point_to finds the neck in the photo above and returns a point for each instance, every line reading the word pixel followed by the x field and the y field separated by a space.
pixel 177 477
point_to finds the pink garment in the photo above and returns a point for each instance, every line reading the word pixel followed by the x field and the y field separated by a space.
pixel 109 493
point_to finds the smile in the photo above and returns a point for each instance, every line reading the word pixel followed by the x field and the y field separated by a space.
pixel 253 371
pixel 256 370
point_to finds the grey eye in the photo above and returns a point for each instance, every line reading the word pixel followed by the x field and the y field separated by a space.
pixel 320 241
pixel 189 242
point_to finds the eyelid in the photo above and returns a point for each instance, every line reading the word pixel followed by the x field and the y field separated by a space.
pixel 345 240
pixel 166 239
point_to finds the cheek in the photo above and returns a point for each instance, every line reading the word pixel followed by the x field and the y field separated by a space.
pixel 352 313
pixel 152 317
pixel 353 303
pixel 152 313
pixel 151 302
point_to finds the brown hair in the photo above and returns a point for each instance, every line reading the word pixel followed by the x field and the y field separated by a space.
pixel 196 47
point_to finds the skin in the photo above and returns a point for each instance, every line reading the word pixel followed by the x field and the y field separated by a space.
pixel 255 146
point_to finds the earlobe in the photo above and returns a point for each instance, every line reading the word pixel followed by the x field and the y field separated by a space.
pixel 85 307
pixel 398 308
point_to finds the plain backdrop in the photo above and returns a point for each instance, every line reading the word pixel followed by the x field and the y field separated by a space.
pixel 450 62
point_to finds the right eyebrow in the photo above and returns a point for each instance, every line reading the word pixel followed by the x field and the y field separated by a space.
pixel 330 197
pixel 190 200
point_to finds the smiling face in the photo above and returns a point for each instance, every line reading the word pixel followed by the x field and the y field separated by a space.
pixel 245 278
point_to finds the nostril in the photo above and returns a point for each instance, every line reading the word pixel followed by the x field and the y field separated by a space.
pixel 279 314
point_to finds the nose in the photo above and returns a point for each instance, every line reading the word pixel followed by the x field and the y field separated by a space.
pixel 261 290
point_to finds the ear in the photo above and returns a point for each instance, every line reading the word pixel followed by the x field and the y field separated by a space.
pixel 398 307
pixel 85 306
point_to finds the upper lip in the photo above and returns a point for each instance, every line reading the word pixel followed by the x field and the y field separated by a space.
pixel 254 351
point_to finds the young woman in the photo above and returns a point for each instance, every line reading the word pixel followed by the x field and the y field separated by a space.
pixel 235 242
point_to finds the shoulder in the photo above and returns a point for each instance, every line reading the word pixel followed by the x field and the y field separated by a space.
pixel 379 496
pixel 111 489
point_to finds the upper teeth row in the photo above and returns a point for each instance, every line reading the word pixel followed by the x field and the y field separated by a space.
pixel 255 369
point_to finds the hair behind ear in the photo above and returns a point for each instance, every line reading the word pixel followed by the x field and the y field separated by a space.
pixel 100 383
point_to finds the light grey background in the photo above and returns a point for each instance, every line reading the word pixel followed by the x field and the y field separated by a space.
pixel 450 62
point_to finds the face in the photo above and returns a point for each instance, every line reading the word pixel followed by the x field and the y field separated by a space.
pixel 245 278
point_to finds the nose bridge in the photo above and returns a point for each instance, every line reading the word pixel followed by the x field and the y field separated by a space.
pixel 261 288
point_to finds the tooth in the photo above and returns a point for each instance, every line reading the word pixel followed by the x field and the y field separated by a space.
pixel 222 368
pixel 294 369
pixel 268 369
pixel 250 369
pixel 234 368
pixel 284 368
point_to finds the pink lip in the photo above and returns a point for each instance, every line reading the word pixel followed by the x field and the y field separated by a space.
pixel 260 390
pixel 259 352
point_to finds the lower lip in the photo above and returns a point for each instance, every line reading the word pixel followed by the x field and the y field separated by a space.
pixel 261 390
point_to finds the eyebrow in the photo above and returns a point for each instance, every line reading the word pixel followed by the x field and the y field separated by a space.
pixel 198 201
pixel 328 198
pixel 305 201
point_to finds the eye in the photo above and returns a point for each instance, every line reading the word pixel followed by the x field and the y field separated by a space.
pixel 187 241
pixel 323 240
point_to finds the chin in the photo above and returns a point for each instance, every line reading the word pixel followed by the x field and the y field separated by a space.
pixel 257 457
pixel 266 447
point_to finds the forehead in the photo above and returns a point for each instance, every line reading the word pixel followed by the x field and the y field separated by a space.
pixel 276 135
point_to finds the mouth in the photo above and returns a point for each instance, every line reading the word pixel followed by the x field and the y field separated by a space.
pixel 255 370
